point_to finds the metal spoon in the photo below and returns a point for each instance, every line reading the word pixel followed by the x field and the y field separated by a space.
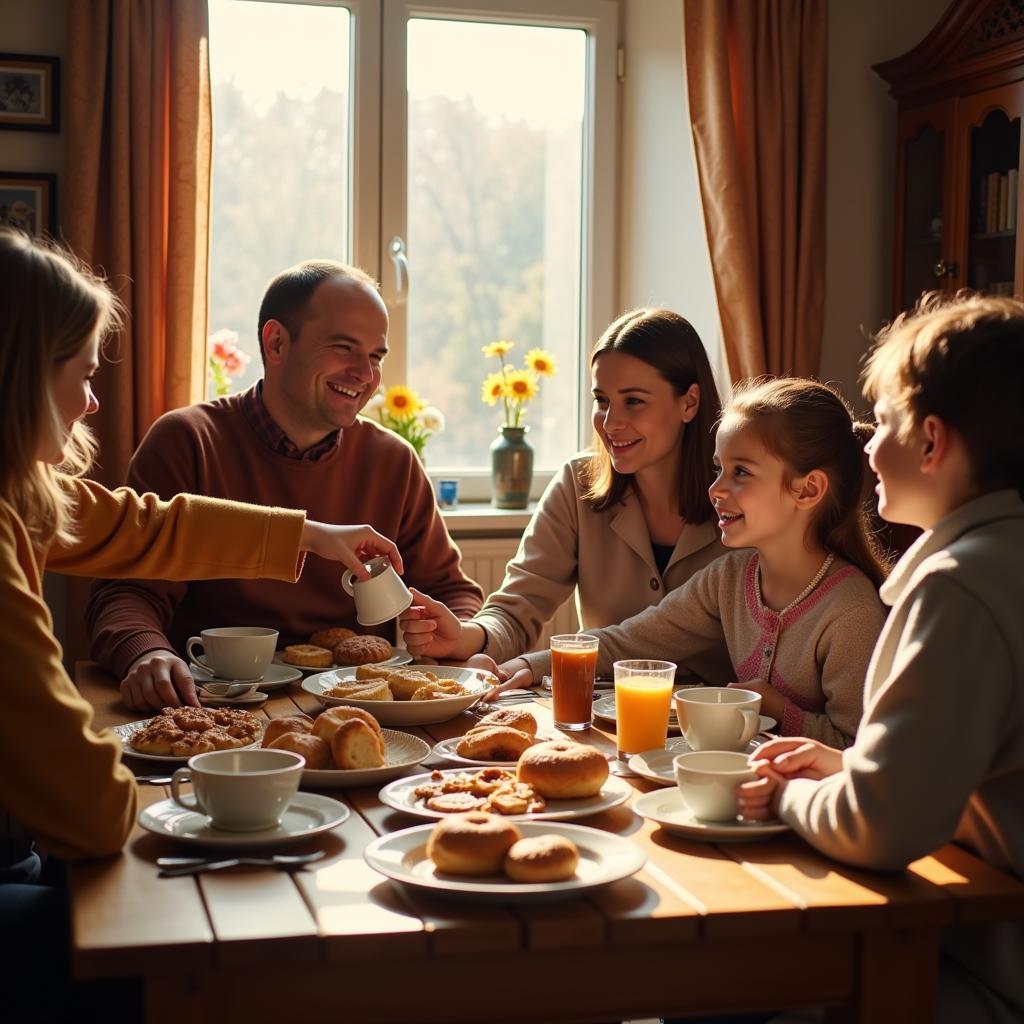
pixel 176 867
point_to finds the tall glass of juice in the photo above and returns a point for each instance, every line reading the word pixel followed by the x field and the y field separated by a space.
pixel 643 698
pixel 573 666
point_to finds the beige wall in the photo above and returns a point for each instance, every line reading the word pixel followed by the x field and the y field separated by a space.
pixel 861 170
pixel 36 27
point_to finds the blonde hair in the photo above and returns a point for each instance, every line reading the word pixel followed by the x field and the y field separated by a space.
pixel 961 359
pixel 52 306
pixel 809 426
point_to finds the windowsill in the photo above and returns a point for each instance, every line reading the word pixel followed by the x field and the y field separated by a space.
pixel 480 519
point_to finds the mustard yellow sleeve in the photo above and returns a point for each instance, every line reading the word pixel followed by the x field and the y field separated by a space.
pixel 125 535
pixel 61 780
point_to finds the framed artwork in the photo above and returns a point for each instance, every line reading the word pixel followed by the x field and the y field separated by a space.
pixel 29 201
pixel 29 92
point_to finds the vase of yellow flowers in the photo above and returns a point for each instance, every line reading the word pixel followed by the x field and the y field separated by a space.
pixel 402 410
pixel 511 453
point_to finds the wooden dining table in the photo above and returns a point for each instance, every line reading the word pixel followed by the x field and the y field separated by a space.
pixel 702 927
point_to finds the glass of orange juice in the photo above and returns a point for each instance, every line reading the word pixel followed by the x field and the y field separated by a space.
pixel 573 666
pixel 643 698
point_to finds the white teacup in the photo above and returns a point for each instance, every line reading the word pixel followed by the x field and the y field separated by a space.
pixel 380 598
pixel 242 653
pixel 240 790
pixel 708 780
pixel 718 718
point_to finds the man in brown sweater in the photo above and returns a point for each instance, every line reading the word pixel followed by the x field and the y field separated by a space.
pixel 292 440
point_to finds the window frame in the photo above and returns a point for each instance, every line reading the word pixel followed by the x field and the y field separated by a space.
pixel 599 19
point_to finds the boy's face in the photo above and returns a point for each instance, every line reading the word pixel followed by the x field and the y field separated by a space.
pixel 903 492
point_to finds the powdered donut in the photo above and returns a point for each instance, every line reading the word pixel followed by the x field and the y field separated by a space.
pixel 471 844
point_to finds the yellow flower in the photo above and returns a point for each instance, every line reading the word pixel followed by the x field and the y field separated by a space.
pixel 401 401
pixel 498 349
pixel 521 386
pixel 493 388
pixel 540 361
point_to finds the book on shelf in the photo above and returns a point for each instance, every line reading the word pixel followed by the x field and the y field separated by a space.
pixel 1003 202
pixel 1011 204
pixel 992 203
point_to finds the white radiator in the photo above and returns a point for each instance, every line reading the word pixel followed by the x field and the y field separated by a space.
pixel 484 560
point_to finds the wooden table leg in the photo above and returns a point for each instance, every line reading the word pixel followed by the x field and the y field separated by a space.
pixel 897 979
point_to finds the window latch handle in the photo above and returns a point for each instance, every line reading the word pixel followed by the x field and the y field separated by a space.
pixel 396 250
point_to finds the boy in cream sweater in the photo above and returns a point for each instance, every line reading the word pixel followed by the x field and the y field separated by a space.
pixel 940 752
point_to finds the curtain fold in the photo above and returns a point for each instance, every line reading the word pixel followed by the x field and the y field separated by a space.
pixel 756 77
pixel 135 200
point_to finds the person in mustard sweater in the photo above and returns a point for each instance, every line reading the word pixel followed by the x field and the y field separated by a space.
pixel 634 509
pixel 940 753
pixel 62 784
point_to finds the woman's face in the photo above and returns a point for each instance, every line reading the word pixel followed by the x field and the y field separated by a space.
pixel 637 413
pixel 73 397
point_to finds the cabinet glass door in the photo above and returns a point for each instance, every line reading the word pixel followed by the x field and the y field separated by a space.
pixel 992 216
pixel 924 162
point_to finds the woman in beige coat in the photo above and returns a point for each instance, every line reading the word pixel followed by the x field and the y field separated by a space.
pixel 622 524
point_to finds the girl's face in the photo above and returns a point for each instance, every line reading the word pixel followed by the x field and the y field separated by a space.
pixel 73 397
pixel 637 414
pixel 751 494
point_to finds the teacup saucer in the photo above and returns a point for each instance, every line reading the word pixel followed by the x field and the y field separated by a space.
pixel 657 765
pixel 274 678
pixel 666 807
pixel 253 699
pixel 308 814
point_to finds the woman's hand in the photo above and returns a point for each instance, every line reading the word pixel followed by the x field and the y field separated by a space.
pixel 430 629
pixel 514 675
pixel 778 761
pixel 350 545
pixel 773 703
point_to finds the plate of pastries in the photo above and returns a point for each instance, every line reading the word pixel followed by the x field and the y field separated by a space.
pixel 176 734
pixel 345 746
pixel 553 780
pixel 497 740
pixel 402 695
pixel 340 647
pixel 485 856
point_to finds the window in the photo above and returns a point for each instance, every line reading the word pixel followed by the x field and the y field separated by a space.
pixel 461 152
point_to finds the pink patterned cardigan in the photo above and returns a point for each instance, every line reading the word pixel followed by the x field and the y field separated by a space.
pixel 816 654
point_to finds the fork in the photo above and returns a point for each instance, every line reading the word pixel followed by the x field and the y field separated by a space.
pixel 177 867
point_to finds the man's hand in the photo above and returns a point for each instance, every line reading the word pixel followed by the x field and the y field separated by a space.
pixel 350 545
pixel 430 629
pixel 156 680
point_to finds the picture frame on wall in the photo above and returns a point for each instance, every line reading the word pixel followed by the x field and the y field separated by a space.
pixel 28 201
pixel 29 92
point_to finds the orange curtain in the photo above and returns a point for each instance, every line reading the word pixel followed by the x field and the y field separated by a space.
pixel 136 198
pixel 756 77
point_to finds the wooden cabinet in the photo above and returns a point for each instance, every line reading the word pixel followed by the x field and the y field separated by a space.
pixel 960 94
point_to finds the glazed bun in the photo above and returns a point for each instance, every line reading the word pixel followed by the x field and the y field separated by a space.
pixel 563 770
pixel 471 844
pixel 542 859
pixel 356 745
pixel 494 743
pixel 280 726
pixel 316 751
pixel 329 721
pixel 514 718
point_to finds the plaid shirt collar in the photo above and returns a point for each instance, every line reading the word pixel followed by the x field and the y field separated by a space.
pixel 255 411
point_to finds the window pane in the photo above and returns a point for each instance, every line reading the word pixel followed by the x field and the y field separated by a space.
pixel 280 75
pixel 495 193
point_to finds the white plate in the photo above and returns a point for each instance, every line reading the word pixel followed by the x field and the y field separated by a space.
pixel 401 751
pixel 274 678
pixel 604 858
pixel 308 814
pixel 406 712
pixel 604 707
pixel 666 807
pixel 399 795
pixel 126 732
pixel 246 700
pixel 657 766
pixel 400 657
pixel 446 749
